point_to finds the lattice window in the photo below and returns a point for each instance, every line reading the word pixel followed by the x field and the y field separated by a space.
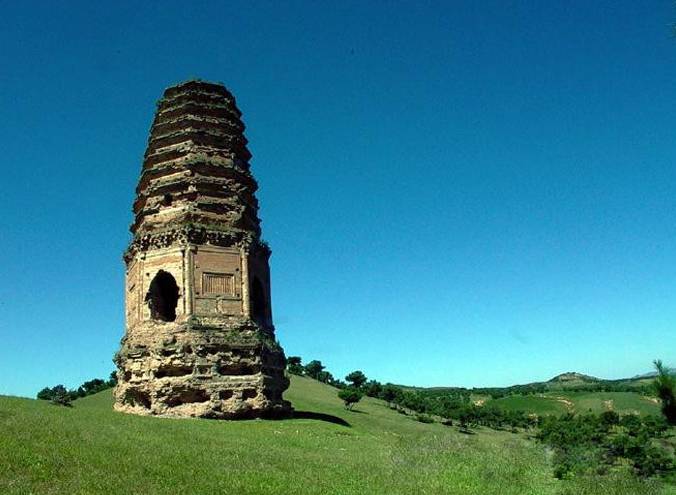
pixel 218 283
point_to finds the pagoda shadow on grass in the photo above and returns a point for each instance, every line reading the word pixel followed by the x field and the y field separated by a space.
pixel 199 336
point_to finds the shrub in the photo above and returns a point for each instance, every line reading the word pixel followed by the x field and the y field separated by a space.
pixel 610 418
pixel 390 393
pixel 424 418
pixel 350 397
pixel 593 444
pixel 45 394
pixel 373 388
pixel 61 396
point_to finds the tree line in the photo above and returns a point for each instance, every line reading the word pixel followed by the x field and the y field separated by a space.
pixel 449 404
pixel 62 396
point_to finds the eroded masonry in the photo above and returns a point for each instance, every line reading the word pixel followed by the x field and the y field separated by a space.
pixel 199 336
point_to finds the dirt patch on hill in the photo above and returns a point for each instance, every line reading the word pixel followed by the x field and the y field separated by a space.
pixel 569 404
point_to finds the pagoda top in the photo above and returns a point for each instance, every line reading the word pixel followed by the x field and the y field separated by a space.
pixel 195 171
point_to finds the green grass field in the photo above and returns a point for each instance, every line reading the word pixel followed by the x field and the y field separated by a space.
pixel 579 402
pixel 89 449
pixel 537 404
pixel 622 402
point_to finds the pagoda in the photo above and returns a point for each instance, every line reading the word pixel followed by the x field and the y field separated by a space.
pixel 199 338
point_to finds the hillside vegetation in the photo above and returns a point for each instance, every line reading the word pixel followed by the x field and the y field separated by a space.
pixel 326 450
pixel 580 402
pixel 569 382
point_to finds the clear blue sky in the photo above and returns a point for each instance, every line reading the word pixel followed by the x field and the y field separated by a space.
pixel 455 193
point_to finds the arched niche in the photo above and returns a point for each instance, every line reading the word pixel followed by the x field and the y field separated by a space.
pixel 162 297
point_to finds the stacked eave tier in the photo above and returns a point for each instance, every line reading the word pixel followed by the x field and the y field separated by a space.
pixel 196 167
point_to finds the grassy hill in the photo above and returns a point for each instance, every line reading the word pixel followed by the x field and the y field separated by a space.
pixel 579 402
pixel 571 380
pixel 569 392
pixel 561 397
pixel 326 450
pixel 538 404
pixel 565 381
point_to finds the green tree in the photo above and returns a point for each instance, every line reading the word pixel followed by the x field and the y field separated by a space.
pixel 93 386
pixel 665 387
pixel 338 383
pixel 45 394
pixel 350 396
pixel 390 393
pixel 325 377
pixel 293 365
pixel 356 378
pixel 112 381
pixel 61 396
pixel 373 388
pixel 313 368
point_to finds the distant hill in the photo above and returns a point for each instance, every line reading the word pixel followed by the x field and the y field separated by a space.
pixel 653 374
pixel 565 393
pixel 567 380
pixel 572 376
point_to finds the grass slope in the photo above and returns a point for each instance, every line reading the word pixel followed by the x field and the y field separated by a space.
pixel 579 402
pixel 92 449
pixel 538 404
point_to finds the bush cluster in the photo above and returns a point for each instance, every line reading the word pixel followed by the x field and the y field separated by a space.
pixel 424 418
pixel 592 443
pixel 448 403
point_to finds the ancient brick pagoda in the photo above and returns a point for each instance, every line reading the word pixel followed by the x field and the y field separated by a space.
pixel 199 336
